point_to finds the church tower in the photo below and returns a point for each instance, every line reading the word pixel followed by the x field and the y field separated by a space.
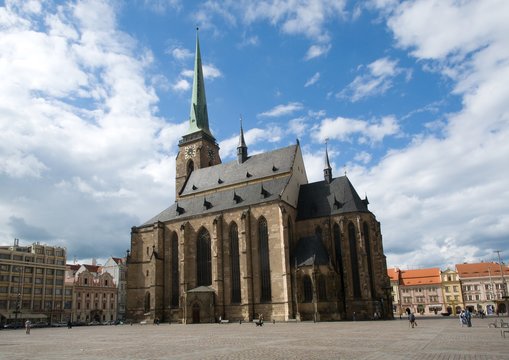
pixel 198 147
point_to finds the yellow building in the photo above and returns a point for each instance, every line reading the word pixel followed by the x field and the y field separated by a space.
pixel 451 289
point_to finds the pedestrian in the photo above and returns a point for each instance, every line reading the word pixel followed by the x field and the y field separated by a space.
pixel 463 320
pixel 28 325
pixel 468 317
pixel 411 319
pixel 69 324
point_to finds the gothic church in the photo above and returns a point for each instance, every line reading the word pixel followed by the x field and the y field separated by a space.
pixel 252 237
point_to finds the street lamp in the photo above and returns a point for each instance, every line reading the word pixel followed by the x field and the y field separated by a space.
pixel 504 284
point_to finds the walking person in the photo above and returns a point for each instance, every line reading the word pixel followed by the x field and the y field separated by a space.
pixel 411 319
pixel 28 325
pixel 468 317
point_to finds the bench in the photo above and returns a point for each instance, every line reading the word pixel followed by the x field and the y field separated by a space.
pixel 493 324
pixel 224 322
pixel 503 332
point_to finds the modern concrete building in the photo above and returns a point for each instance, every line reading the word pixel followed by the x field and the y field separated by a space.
pixel 252 237
pixel 32 283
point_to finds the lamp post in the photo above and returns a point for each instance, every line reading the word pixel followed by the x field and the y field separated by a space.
pixel 504 284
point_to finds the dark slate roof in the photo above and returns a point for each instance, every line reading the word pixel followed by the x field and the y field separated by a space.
pixel 255 167
pixel 227 199
pixel 321 199
pixel 258 166
pixel 308 248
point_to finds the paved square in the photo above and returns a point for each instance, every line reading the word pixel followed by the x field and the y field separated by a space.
pixel 439 338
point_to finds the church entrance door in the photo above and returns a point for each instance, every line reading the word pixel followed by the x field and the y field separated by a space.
pixel 196 313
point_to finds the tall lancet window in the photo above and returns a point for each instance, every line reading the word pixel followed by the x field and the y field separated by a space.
pixel 203 259
pixel 352 235
pixel 367 245
pixel 266 292
pixel 235 266
pixel 174 270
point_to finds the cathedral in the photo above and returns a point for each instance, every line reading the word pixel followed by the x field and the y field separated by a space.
pixel 252 237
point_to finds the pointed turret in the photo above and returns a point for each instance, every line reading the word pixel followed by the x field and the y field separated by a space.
pixel 242 148
pixel 198 117
pixel 327 171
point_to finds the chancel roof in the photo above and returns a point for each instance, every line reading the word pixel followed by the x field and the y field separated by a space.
pixel 309 251
pixel 321 199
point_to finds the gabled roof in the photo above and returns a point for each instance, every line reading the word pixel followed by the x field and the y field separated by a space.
pixel 420 277
pixel 269 164
pixel 310 251
pixel 481 270
pixel 261 178
pixel 322 199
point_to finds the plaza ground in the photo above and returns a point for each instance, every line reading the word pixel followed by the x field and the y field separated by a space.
pixel 437 338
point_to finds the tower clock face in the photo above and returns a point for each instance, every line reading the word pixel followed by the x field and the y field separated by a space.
pixel 189 151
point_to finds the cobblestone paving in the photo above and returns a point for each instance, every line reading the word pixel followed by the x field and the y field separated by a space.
pixel 433 339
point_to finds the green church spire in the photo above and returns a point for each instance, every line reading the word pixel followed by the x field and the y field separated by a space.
pixel 198 117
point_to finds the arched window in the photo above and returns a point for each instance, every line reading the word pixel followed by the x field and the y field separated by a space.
pixel 322 288
pixel 174 270
pixel 147 302
pixel 352 235
pixel 203 259
pixel 308 288
pixel 263 235
pixel 235 266
pixel 367 245
pixel 339 262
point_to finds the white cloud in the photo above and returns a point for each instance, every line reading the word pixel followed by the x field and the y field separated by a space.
pixel 282 110
pixel 252 137
pixel 315 51
pixel 376 81
pixel 161 6
pixel 446 193
pixel 181 85
pixel 344 129
pixel 78 116
pixel 180 53
pixel 312 80
pixel 211 72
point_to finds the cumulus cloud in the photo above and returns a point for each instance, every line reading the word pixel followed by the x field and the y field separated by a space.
pixel 376 80
pixel 78 126
pixel 346 129
pixel 447 190
pixel 315 51
pixel 282 110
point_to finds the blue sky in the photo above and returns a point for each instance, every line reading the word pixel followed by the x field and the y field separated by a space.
pixel 412 97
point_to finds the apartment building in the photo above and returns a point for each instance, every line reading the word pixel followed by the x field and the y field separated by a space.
pixel 451 291
pixel 117 267
pixel 94 293
pixel 484 286
pixel 32 283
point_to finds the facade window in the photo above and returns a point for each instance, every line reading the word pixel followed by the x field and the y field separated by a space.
pixel 308 288
pixel 352 235
pixel 174 270
pixel 203 259
pixel 105 282
pixel 263 235
pixel 85 281
pixel 235 265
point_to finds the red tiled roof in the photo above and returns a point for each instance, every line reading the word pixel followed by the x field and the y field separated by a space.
pixel 393 274
pixel 420 277
pixel 481 270
pixel 118 260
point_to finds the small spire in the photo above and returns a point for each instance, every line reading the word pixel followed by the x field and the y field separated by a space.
pixel 327 171
pixel 242 148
